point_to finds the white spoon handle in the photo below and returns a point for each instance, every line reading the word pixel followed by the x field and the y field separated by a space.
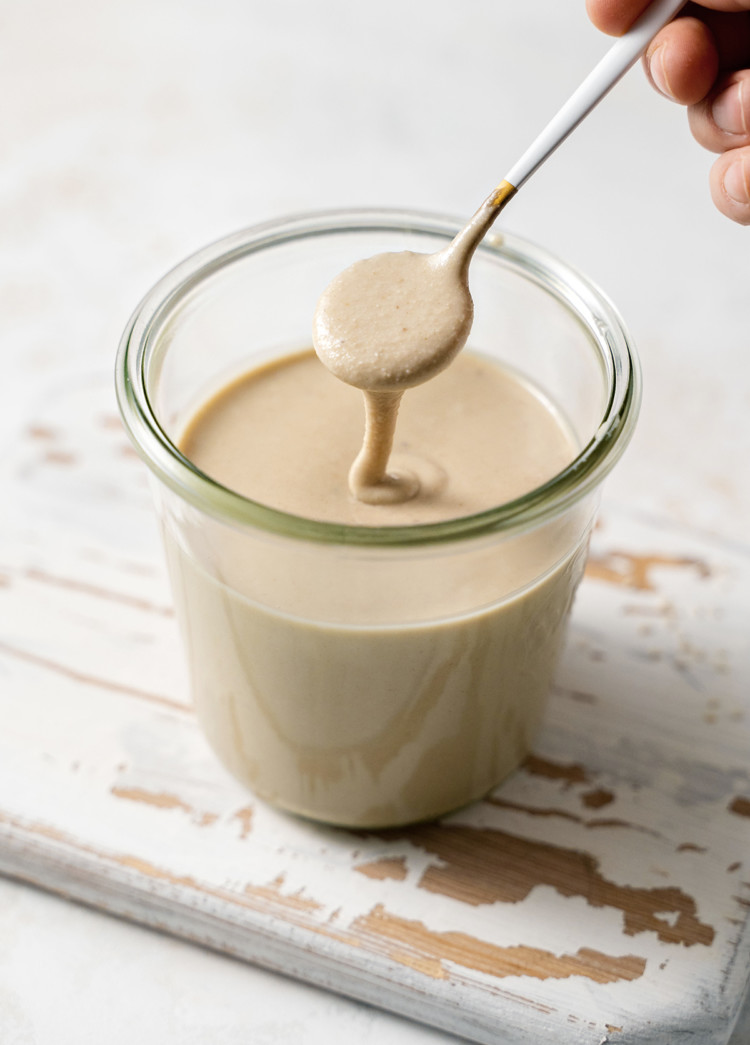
pixel 615 63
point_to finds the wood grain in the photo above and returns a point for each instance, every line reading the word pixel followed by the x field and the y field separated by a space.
pixel 601 894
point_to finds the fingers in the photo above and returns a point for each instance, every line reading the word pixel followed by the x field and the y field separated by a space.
pixel 682 61
pixel 730 184
pixel 721 122
pixel 615 16
pixel 733 6
pixel 698 62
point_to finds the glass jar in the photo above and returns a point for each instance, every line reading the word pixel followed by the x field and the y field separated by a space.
pixel 417 685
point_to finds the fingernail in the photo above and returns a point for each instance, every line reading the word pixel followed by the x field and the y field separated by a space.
pixel 728 110
pixel 737 181
pixel 657 71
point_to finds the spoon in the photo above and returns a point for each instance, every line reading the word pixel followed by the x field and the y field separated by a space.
pixel 392 321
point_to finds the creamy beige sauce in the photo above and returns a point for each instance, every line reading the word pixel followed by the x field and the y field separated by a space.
pixel 373 687
pixel 372 718
pixel 475 437
pixel 391 322
pixel 376 686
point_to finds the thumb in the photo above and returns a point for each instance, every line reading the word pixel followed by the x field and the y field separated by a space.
pixel 730 184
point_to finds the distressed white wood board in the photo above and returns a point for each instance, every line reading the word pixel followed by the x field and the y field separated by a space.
pixel 602 893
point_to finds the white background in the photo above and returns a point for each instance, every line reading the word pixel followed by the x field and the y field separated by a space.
pixel 132 134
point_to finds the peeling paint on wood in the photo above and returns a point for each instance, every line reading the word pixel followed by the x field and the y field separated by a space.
pixel 410 942
pixel 384 868
pixel 597 895
pixel 597 798
pixel 740 806
pixel 88 680
pixel 544 767
pixel 636 571
pixel 483 866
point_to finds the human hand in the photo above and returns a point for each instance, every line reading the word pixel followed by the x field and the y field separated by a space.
pixel 702 60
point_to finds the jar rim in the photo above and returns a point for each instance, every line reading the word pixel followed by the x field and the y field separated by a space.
pixel 573 290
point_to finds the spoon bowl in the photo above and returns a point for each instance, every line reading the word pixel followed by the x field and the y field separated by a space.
pixel 392 321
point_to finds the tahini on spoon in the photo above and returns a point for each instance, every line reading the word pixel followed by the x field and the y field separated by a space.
pixel 392 321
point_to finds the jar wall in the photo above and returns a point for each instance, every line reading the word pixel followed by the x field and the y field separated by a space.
pixel 414 683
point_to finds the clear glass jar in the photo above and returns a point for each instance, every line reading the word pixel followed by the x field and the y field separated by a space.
pixel 320 703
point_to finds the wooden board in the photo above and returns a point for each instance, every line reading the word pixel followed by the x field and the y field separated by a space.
pixel 600 895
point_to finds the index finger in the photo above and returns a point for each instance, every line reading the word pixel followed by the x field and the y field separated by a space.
pixel 616 16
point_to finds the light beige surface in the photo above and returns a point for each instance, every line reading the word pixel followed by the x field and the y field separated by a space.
pixel 366 698
pixel 370 726
pixel 286 435
pixel 388 323
pixel 394 320
pixel 135 133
